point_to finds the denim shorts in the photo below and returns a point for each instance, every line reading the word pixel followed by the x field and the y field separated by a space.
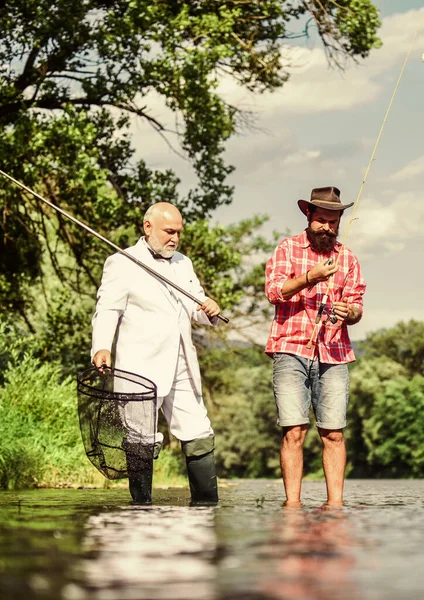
pixel 299 381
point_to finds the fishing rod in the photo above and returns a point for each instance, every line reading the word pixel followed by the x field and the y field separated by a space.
pixel 109 243
pixel 322 307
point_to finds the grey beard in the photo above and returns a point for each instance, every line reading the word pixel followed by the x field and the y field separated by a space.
pixel 322 242
pixel 160 249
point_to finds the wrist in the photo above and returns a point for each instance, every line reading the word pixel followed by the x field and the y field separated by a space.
pixel 309 283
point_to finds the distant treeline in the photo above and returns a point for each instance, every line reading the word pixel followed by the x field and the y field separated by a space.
pixel 40 441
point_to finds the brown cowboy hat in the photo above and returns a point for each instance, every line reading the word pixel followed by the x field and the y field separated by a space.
pixel 325 197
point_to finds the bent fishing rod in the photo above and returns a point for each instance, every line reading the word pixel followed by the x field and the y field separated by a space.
pixel 322 309
pixel 109 243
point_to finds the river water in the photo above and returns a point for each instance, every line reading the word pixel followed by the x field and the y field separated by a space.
pixel 93 544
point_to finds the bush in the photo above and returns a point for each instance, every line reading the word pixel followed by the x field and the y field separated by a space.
pixel 40 442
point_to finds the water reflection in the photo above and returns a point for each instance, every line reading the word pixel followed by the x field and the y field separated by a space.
pixel 94 545
pixel 299 553
pixel 148 553
pixel 310 554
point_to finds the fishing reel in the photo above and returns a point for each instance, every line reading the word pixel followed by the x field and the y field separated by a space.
pixel 332 317
pixel 329 312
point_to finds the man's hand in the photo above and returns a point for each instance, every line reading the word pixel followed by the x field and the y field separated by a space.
pixel 346 313
pixel 322 272
pixel 102 357
pixel 341 310
pixel 210 308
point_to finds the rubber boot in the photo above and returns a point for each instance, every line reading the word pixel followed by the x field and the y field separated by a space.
pixel 201 470
pixel 202 479
pixel 140 472
pixel 140 486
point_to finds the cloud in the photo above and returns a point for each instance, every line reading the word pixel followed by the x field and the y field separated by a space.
pixel 383 317
pixel 398 31
pixel 409 171
pixel 386 226
pixel 343 149
pixel 315 88
pixel 299 158
pixel 312 88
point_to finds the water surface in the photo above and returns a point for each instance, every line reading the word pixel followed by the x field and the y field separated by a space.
pixel 93 544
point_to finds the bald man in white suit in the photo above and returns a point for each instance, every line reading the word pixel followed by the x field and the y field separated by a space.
pixel 150 324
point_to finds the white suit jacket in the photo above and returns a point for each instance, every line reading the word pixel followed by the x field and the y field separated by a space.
pixel 148 317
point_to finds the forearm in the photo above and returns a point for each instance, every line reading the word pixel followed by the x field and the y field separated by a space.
pixel 291 287
pixel 320 272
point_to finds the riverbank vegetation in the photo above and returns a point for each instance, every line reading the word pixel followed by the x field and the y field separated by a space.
pixel 40 442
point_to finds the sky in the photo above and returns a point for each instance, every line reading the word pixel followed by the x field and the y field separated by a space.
pixel 320 129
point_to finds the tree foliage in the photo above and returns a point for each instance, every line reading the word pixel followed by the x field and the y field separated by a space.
pixel 74 73
pixel 393 433
pixel 39 433
pixel 404 344
pixel 387 387
pixel 238 389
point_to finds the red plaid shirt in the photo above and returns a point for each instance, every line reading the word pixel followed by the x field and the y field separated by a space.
pixel 294 318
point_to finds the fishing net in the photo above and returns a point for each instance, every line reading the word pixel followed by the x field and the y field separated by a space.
pixel 118 417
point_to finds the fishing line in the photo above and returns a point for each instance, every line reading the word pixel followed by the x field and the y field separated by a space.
pixel 330 283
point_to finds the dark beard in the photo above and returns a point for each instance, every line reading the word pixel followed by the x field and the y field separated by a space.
pixel 322 242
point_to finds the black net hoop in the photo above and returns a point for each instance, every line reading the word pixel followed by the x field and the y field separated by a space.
pixel 115 408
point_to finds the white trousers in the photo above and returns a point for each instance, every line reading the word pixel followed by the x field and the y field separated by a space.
pixel 183 408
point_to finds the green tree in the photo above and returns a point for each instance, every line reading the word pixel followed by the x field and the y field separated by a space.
pixel 403 344
pixel 237 384
pixel 393 433
pixel 74 72
pixel 386 404
pixel 384 434
pixel 238 387
pixel 368 378
pixel 40 440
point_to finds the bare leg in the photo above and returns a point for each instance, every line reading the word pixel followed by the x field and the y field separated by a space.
pixel 291 460
pixel 334 463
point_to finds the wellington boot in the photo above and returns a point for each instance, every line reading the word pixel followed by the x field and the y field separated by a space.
pixel 140 472
pixel 141 487
pixel 202 479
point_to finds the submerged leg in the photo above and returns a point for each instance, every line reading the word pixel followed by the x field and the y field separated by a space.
pixel 334 463
pixel 291 460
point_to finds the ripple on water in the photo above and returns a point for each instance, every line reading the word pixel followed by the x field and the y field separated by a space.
pixel 82 544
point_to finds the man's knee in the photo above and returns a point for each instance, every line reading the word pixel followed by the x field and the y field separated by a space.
pixel 331 436
pixel 294 437
pixel 199 446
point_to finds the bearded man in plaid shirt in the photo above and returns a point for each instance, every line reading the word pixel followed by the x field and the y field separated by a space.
pixel 297 283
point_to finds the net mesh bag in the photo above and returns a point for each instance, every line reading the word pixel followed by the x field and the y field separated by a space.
pixel 118 417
